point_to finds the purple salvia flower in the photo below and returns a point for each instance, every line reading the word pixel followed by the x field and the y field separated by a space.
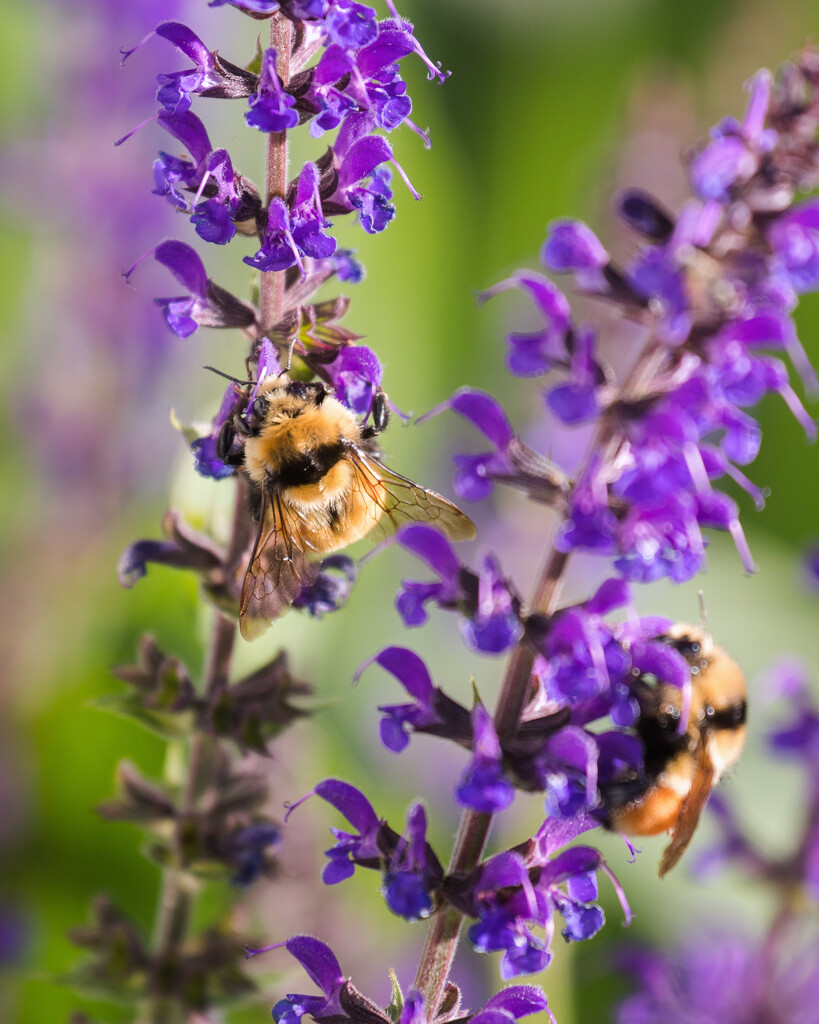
pixel 356 378
pixel 721 978
pixel 533 354
pixel 794 239
pixel 321 965
pixel 733 155
pixel 571 246
pixel 411 871
pixel 206 462
pixel 351 25
pixel 211 76
pixel 490 620
pixel 271 108
pixel 331 588
pixel 207 305
pixel 350 848
pixel 432 711
pixel 171 172
pixel 253 6
pixel 484 787
pixel 408 882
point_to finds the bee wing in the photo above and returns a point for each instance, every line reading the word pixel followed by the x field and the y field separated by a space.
pixel 701 786
pixel 278 568
pixel 401 501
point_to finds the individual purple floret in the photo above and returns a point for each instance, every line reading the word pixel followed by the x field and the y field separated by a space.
pixel 295 229
pixel 212 75
pixel 411 871
pixel 490 611
pixel 205 458
pixel 510 461
pixel 484 786
pixel 356 375
pixel 351 25
pixel 331 588
pixel 247 850
pixel 207 305
pixel 271 108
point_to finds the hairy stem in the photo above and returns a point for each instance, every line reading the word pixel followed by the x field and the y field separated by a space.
pixel 444 930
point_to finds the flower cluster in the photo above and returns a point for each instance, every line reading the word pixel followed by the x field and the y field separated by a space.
pixel 341 1001
pixel 355 86
pixel 714 288
pixel 507 896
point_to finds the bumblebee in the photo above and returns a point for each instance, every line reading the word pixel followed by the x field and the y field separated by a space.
pixel 681 768
pixel 317 484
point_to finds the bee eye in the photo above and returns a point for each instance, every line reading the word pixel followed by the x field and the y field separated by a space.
pixel 259 408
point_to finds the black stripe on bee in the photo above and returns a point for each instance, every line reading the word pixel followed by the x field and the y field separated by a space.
pixel 309 467
pixel 732 717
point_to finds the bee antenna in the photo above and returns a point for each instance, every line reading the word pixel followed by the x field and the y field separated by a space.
pixel 703 612
pixel 228 376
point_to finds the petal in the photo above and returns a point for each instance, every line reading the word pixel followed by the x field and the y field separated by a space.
pixel 318 960
pixel 350 802
pixel 432 547
pixel 185 265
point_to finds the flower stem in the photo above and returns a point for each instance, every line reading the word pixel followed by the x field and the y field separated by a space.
pixel 444 930
pixel 178 887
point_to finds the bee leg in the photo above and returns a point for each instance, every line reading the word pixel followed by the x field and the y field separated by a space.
pixel 381 415
pixel 226 440
pixel 241 425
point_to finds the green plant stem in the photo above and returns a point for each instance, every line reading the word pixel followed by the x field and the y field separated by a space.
pixel 444 929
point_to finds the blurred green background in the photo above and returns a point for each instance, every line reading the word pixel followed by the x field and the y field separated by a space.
pixel 549 108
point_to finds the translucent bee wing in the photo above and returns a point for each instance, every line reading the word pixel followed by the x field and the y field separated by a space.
pixel 701 786
pixel 278 569
pixel 399 501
